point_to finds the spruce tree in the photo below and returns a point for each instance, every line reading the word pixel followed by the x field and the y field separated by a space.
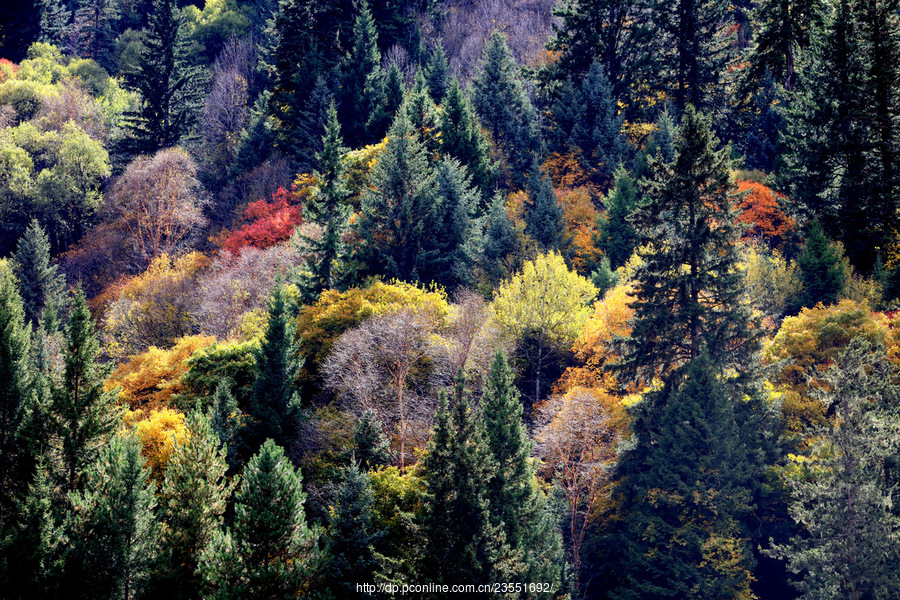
pixel 16 389
pixel 274 402
pixel 543 214
pixel 371 447
pixel 391 99
pixel 617 237
pixel 398 206
pixel 192 501
pixel 785 28
pixel 351 536
pixel 326 208
pixel 362 84
pixel 500 240
pixel 115 529
pixel 688 297
pixel 461 541
pixel 517 506
pixel 83 413
pixel 55 17
pixel 40 284
pixel 226 421
pixel 270 551
pixel 463 139
pixel 822 271
pixel 170 89
pixel 422 113
pixel 504 109
pixel 437 73
pixel 94 22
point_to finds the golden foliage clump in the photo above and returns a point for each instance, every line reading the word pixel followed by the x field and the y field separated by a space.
pixel 158 432
pixel 580 215
pixel 150 379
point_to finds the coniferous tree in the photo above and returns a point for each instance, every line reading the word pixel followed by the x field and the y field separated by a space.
pixel 270 550
pixel 398 206
pixel 617 237
pixel 55 17
pixel 821 269
pixel 785 29
pixel 844 503
pixel 499 240
pixel 94 20
pixel 688 297
pixel 371 447
pixel 170 89
pixel 461 541
pixel 504 109
pixel 326 209
pixel 389 103
pixel 191 504
pixel 518 507
pixel 274 402
pixel 455 236
pixel 463 139
pixel 16 389
pixel 362 79
pixel 351 536
pixel 40 285
pixel 226 421
pixel 82 412
pixel 437 73
pixel 543 214
pixel 422 113
pixel 312 123
pixel 115 530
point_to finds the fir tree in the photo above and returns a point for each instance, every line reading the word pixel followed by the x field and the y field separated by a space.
pixel 785 29
pixel 422 113
pixel 518 507
pixel 617 237
pixel 271 550
pixel 462 138
pixel 688 298
pixel 226 421
pixel 499 240
pixel 83 413
pixel 326 209
pixel 115 528
pixel 461 541
pixel 274 402
pixel 503 106
pixel 55 17
pixel 437 73
pixel 455 240
pixel 192 500
pixel 351 536
pixel 822 269
pixel 40 285
pixel 603 277
pixel 398 206
pixel 170 89
pixel 362 80
pixel 389 103
pixel 16 381
pixel 843 504
pixel 94 20
pixel 371 447
pixel 543 215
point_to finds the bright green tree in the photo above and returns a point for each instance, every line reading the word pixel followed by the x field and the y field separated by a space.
pixel 191 504
pixel 823 270
pixel 270 551
pixel 115 528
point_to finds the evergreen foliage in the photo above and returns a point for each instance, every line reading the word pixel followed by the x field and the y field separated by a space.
pixel 399 206
pixel 170 88
pixel 785 30
pixel 42 288
pixel 55 17
pixel 191 504
pixel 351 536
pixel 462 543
pixel 822 269
pixel 500 240
pixel 270 550
pixel 362 83
pixel 274 402
pixel 504 109
pixel 463 139
pixel 115 524
pixel 688 298
pixel 82 413
pixel 543 215
pixel 437 73
pixel 617 235
pixel 226 421
pixel 94 22
pixel 371 447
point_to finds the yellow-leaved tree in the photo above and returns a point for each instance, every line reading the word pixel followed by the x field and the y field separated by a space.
pixel 544 307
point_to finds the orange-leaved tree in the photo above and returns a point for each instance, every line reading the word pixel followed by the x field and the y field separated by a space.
pixel 760 208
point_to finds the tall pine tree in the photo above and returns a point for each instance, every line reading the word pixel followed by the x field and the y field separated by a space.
pixel 42 287
pixel 463 139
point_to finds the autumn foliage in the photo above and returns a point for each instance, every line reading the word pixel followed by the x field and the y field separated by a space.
pixel 268 223
pixel 760 209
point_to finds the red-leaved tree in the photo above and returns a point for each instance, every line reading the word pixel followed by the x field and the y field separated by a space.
pixel 267 223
